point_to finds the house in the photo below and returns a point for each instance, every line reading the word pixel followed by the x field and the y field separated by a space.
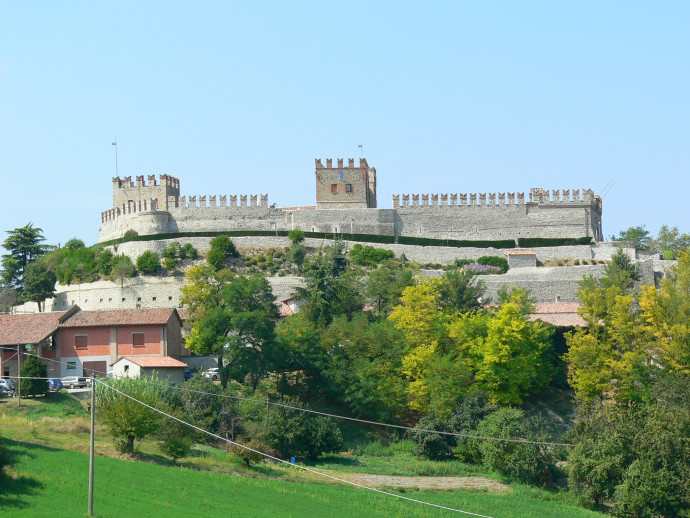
pixel 81 343
pixel 34 333
pixel 165 367
pixel 91 341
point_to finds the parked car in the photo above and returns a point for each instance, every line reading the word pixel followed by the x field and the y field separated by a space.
pixel 71 382
pixel 188 374
pixel 7 388
pixel 54 384
pixel 212 374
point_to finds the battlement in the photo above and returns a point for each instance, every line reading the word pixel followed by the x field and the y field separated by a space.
pixel 536 195
pixel 251 200
pixel 126 182
pixel 350 163
pixel 146 205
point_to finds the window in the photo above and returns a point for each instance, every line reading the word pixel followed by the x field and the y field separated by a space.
pixel 138 299
pixel 154 298
pixel 334 188
pixel 80 341
pixel 169 297
pixel 71 366
pixel 138 339
pixel 348 187
pixel 126 368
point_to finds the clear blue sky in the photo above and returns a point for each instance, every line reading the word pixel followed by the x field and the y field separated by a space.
pixel 239 98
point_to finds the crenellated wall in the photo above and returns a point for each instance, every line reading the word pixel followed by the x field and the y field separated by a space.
pixel 158 208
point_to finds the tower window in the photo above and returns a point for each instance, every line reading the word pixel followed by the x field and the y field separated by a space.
pixel 348 187
pixel 334 188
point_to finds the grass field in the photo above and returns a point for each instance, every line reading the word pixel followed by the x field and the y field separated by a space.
pixel 49 478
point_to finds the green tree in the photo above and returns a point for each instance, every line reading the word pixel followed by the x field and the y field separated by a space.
pixel 39 283
pixel 670 241
pixel 368 255
pixel 127 419
pixel 621 271
pixel 240 327
pixel 74 243
pixel 24 246
pixel 32 367
pixel 461 291
pixel 638 235
pixel 149 263
pixel 222 248
pixel 296 236
pixel 122 268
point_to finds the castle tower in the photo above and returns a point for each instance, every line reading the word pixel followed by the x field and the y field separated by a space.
pixel 127 193
pixel 344 187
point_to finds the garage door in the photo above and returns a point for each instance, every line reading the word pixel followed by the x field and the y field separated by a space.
pixel 99 369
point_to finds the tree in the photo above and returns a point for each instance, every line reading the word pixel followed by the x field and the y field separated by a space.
pixel 638 235
pixel 127 419
pixel 74 243
pixel 461 291
pixel 620 271
pixel 222 248
pixel 384 285
pixel 670 241
pixel 149 263
pixel 122 268
pixel 240 327
pixel 24 246
pixel 39 283
pixel 296 236
pixel 33 368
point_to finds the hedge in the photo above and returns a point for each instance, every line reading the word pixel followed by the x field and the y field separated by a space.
pixel 535 242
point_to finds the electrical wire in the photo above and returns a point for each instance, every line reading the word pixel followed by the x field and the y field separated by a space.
pixel 336 416
pixel 332 477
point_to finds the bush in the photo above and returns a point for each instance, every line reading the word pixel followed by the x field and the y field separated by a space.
pixel 130 235
pixel 535 242
pixel 249 455
pixel 493 260
pixel 296 236
pixel 188 250
pixel 149 263
pixel 222 248
pixel 433 446
pixel 122 268
pixel 32 367
pixel 368 255
pixel 172 250
pixel 169 264
pixel 669 255
pixel 74 243
pixel 295 433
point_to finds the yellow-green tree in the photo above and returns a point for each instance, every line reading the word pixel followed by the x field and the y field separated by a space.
pixel 666 317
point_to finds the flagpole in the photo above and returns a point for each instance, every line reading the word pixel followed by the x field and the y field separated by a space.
pixel 115 144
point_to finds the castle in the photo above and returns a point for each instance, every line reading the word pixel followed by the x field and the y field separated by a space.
pixel 346 202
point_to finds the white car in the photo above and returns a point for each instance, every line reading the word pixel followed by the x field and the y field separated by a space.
pixel 212 374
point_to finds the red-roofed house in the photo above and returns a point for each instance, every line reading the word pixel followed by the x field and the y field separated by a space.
pixel 91 341
pixel 166 368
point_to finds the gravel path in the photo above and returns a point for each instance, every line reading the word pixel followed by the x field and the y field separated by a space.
pixel 468 483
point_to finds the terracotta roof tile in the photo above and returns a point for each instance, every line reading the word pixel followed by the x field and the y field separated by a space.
pixel 519 252
pixel 155 361
pixel 559 314
pixel 119 317
pixel 28 328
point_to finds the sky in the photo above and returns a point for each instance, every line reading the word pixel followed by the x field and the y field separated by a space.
pixel 241 97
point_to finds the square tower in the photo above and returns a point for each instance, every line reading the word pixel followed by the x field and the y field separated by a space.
pixel 344 187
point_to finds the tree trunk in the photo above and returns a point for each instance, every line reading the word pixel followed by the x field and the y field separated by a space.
pixel 130 444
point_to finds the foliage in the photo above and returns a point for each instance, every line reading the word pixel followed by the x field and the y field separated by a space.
pixel 122 268
pixel 149 263
pixel 169 264
pixel 368 255
pixel 4 458
pixel 125 418
pixel 8 298
pixel 638 235
pixel 461 291
pixel 175 438
pixel 433 446
pixel 24 246
pixel 533 242
pixel 171 251
pixel 32 367
pixel 249 452
pixel 294 433
pixel 130 235
pixel 237 323
pixel 523 462
pixel 74 244
pixel 187 251
pixel 621 271
pixel 493 260
pixel 222 248
pixel 671 241
pixel 39 283
pixel 384 285
pixel 296 236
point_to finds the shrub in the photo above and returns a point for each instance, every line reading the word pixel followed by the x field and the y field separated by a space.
pixel 149 263
pixel 296 236
pixel 249 455
pixel 32 367
pixel 433 446
pixel 669 255
pixel 368 255
pixel 169 264
pixel 493 260
pixel 295 433
pixel 188 250
pixel 222 248
pixel 74 243
pixel 130 235
pixel 172 250
pixel 122 268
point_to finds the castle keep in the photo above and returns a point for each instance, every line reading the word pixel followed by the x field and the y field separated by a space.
pixel 346 203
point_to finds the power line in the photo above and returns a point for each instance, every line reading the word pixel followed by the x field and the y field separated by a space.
pixel 336 416
pixel 332 477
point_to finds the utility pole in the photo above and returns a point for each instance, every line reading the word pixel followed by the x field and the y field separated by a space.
pixel 92 448
pixel 19 375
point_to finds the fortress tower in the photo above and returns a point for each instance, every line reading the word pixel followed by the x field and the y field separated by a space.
pixel 127 195
pixel 345 187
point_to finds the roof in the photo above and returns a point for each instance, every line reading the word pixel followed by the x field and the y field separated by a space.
pixel 153 361
pixel 28 328
pixel 121 317
pixel 519 252
pixel 559 314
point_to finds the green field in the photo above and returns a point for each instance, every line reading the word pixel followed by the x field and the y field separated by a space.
pixel 49 470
